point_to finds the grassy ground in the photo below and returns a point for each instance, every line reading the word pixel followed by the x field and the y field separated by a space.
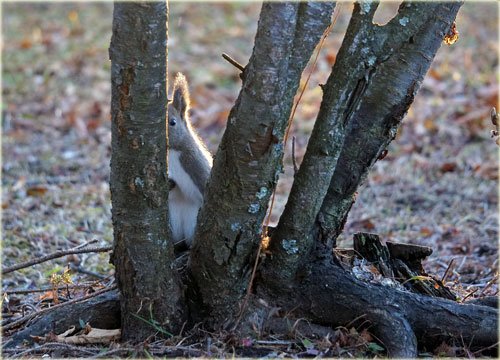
pixel 436 187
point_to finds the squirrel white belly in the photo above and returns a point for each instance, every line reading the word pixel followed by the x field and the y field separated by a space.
pixel 189 165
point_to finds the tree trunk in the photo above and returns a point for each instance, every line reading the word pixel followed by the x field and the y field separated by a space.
pixel 142 249
pixel 373 82
pixel 292 241
pixel 400 63
pixel 377 74
pixel 248 161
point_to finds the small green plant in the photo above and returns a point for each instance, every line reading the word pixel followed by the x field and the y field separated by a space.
pixel 155 324
pixel 375 348
pixel 57 280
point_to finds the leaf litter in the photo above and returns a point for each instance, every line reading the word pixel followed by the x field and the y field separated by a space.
pixel 437 186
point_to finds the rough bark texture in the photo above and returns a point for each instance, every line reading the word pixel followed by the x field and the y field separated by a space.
pixel 372 84
pixel 293 240
pixel 102 312
pixel 382 69
pixel 329 295
pixel 142 249
pixel 400 55
pixel 247 163
pixel 401 262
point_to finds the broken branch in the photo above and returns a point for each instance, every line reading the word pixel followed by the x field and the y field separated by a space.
pixel 55 255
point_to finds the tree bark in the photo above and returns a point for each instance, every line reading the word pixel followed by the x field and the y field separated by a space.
pixel 102 312
pixel 330 295
pixel 402 53
pixel 142 248
pixel 247 164
pixel 292 241
pixel 392 58
pixel 372 84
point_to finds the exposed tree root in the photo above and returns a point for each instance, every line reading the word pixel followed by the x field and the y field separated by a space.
pixel 395 333
pixel 491 301
pixel 330 295
pixel 326 298
pixel 102 312
pixel 297 327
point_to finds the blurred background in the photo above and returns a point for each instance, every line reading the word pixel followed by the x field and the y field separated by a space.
pixel 436 187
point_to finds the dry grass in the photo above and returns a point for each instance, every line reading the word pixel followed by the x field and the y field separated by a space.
pixel 437 187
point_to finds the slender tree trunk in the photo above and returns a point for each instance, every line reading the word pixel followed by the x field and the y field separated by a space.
pixel 413 36
pixel 142 252
pixel 373 82
pixel 248 162
pixel 292 241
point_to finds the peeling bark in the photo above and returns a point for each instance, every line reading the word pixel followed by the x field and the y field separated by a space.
pixel 142 249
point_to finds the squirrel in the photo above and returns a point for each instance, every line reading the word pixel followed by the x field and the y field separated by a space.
pixel 189 166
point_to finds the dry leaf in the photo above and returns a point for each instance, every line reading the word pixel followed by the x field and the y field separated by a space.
pixel 94 336
pixel 36 191
pixel 434 74
pixel 330 58
pixel 474 115
pixel 445 350
pixel 73 17
pixel 46 296
pixel 430 125
pixel 488 171
pixel 452 36
pixel 449 167
pixel 19 184
pixel 425 231
pixel 71 330
pixel 366 336
pixel 366 224
pixel 489 94
pixel 26 43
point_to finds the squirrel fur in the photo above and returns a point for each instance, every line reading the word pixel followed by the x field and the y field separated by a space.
pixel 189 165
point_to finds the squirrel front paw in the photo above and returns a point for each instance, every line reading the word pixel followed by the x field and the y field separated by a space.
pixel 171 184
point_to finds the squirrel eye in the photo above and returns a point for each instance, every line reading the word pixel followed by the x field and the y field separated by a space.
pixel 172 122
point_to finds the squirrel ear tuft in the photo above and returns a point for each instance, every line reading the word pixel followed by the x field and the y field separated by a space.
pixel 181 94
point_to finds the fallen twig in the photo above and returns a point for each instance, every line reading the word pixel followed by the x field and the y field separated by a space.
pixel 488 285
pixel 81 351
pixel 49 288
pixel 275 342
pixel 470 294
pixel 107 354
pixel 486 348
pixel 82 270
pixel 445 275
pixel 93 241
pixel 55 255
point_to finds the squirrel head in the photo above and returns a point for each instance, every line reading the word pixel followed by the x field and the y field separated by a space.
pixel 179 126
